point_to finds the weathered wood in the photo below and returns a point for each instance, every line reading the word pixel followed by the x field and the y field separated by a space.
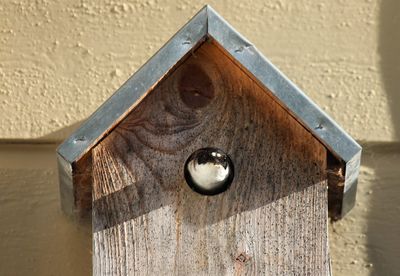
pixel 336 180
pixel 271 221
pixel 83 186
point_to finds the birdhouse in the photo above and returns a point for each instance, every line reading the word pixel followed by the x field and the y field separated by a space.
pixel 208 160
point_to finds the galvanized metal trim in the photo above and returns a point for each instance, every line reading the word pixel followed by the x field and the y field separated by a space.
pixel 350 183
pixel 66 185
pixel 289 95
pixel 133 90
pixel 304 109
pixel 207 23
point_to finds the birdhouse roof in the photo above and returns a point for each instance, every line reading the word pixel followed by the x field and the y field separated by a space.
pixel 207 24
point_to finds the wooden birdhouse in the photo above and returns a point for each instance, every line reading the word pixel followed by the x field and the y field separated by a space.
pixel 209 161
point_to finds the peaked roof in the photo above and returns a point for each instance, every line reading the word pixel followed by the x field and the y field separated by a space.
pixel 207 23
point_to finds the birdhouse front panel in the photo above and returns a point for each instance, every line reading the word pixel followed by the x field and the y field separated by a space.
pixel 209 175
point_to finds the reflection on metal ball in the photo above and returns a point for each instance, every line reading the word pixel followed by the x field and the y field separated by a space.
pixel 209 171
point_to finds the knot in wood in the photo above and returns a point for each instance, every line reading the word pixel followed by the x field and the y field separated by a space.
pixel 195 87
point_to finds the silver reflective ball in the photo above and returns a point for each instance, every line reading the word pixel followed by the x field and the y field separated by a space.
pixel 209 171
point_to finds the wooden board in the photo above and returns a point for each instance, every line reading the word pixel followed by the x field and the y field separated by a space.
pixel 272 220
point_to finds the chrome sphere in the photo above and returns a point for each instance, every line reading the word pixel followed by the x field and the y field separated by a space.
pixel 209 171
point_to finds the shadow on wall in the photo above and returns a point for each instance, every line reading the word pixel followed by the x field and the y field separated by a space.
pixel 384 219
pixel 389 51
pixel 59 135
pixel 55 137
pixel 36 238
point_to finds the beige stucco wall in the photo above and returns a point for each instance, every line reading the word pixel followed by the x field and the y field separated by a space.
pixel 59 60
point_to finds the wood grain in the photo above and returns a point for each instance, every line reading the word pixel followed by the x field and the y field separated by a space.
pixel 83 182
pixel 336 178
pixel 271 221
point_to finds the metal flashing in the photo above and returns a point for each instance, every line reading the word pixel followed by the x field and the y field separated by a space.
pixel 207 23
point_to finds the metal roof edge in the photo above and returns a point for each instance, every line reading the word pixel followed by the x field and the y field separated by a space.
pixel 208 23
pixel 134 89
pixel 325 129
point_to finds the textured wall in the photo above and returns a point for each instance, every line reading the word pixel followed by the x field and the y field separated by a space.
pixel 59 60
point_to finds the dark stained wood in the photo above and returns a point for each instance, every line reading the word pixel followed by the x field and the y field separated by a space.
pixel 82 174
pixel 195 87
pixel 336 178
pixel 271 221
